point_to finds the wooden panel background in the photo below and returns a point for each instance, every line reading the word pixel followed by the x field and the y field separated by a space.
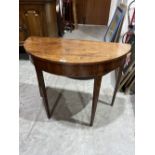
pixel 94 12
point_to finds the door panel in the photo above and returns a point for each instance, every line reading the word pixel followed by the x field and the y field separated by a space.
pixel 94 12
pixel 34 22
pixel 33 16
pixel 81 11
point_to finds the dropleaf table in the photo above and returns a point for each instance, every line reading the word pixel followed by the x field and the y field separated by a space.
pixel 76 59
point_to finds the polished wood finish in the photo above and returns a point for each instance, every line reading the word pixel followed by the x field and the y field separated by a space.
pixel 33 17
pixel 37 17
pixel 74 51
pixel 77 70
pixel 77 59
pixel 94 12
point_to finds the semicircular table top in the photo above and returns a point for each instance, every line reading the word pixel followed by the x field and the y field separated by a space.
pixel 74 51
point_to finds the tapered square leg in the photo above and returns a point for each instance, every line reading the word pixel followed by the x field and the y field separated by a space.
pixel 42 90
pixel 117 84
pixel 96 91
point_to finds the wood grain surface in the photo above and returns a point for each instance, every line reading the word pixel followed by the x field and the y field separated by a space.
pixel 76 59
pixel 74 51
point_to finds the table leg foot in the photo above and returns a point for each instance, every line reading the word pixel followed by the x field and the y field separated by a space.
pixel 97 84
pixel 43 90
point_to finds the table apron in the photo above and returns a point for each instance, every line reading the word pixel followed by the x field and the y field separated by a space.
pixel 77 70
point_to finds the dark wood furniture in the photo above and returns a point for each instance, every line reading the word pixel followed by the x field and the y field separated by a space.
pixel 94 12
pixel 37 17
pixel 77 59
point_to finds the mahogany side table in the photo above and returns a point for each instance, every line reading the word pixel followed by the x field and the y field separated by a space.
pixel 76 59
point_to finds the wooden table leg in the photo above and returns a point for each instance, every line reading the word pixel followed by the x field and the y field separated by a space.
pixel 43 90
pixel 117 84
pixel 75 14
pixel 97 84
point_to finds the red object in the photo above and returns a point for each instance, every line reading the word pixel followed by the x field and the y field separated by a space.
pixel 132 23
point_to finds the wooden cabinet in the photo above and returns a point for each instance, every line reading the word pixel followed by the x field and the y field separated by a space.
pixel 94 12
pixel 37 18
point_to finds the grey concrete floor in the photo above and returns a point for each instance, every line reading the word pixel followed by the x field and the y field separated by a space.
pixel 66 133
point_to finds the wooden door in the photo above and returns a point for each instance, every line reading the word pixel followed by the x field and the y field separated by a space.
pixel 94 12
pixel 80 5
